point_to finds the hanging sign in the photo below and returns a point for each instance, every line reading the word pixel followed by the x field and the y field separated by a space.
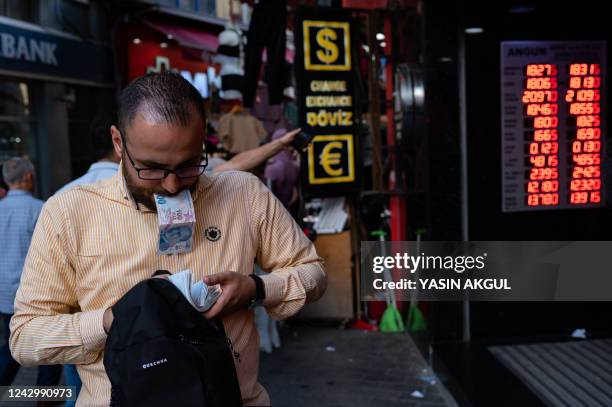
pixel 324 73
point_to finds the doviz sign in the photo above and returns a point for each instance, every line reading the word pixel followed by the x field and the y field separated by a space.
pixel 326 103
pixel 29 51
pixel 333 159
pixel 327 46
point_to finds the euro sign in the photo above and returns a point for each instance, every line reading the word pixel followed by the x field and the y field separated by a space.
pixel 327 159
pixel 324 39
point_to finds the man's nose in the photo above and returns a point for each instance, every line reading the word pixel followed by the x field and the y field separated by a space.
pixel 172 183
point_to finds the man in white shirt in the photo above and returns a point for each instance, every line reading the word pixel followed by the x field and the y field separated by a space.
pixel 107 162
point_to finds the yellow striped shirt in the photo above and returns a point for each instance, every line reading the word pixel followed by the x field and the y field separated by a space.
pixel 93 243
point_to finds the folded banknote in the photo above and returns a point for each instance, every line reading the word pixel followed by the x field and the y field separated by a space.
pixel 200 295
pixel 176 218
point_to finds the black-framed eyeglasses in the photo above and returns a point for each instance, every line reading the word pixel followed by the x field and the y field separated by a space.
pixel 155 174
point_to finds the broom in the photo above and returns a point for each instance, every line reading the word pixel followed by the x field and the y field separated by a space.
pixel 416 320
pixel 391 320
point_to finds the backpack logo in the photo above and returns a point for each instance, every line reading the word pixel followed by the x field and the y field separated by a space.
pixel 154 363
pixel 212 233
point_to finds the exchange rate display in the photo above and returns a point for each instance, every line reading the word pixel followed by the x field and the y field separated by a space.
pixel 553 133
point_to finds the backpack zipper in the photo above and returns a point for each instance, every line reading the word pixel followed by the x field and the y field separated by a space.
pixel 192 341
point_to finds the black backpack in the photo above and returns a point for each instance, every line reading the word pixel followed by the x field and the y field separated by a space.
pixel 160 351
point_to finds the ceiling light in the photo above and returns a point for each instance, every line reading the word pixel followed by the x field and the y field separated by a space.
pixel 474 30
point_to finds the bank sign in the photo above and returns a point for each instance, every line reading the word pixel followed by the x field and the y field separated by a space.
pixel 324 72
pixel 29 51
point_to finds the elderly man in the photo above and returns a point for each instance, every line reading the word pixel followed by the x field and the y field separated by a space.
pixel 93 243
pixel 19 211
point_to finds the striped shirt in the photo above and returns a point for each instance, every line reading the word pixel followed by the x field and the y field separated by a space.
pixel 93 243
pixel 18 214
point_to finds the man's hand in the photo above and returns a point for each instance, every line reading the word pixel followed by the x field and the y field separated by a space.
pixel 238 290
pixel 107 319
pixel 288 138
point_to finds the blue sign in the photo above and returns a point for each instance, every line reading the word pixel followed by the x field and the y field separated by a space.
pixel 33 52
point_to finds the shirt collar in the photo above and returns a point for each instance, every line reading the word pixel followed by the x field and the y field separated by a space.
pixel 18 192
pixel 126 196
pixel 104 165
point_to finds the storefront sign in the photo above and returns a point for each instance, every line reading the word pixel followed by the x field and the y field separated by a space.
pixel 553 124
pixel 326 103
pixel 147 55
pixel 28 51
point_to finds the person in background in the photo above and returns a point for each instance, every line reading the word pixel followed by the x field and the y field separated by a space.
pixel 19 212
pixel 282 172
pixel 107 161
pixel 106 166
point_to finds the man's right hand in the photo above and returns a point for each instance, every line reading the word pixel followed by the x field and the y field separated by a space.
pixel 107 319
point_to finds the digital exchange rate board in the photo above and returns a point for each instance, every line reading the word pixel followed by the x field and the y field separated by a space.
pixel 553 124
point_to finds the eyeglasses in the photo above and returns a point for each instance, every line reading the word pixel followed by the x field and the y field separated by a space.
pixel 154 174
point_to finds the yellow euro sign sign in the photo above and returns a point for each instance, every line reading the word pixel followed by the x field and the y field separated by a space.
pixel 327 159
pixel 325 37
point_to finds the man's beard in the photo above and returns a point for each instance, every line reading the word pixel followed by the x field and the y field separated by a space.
pixel 145 195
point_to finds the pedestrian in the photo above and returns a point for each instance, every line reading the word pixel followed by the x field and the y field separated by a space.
pixel 95 242
pixel 107 160
pixel 106 166
pixel 19 212
pixel 283 171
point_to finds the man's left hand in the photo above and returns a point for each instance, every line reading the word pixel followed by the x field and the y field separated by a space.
pixel 238 290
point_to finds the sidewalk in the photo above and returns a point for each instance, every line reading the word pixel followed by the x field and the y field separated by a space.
pixel 324 366
pixel 331 367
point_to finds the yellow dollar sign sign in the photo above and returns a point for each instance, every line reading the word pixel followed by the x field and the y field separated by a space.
pixel 327 158
pixel 324 39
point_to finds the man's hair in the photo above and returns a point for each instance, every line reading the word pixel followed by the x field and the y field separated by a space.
pixel 164 97
pixel 101 139
pixel 14 169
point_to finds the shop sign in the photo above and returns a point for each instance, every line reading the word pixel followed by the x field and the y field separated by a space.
pixel 27 50
pixel 326 103
pixel 147 56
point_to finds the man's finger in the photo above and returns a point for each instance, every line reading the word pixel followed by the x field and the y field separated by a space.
pixel 216 309
pixel 218 278
pixel 294 132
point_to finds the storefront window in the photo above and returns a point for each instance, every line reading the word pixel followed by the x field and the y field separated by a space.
pixel 17 125
pixel 18 9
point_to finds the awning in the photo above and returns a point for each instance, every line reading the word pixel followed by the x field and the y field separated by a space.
pixel 187 37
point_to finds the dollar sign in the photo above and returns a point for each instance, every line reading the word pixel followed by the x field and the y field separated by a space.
pixel 324 39
pixel 327 159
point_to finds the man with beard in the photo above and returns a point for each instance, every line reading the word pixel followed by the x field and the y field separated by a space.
pixel 94 242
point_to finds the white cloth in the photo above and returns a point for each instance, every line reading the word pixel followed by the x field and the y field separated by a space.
pixel 96 172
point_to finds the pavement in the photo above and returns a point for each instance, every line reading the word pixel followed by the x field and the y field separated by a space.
pixel 324 365
pixel 327 366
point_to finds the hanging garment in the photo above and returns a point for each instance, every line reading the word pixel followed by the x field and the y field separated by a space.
pixel 239 131
pixel 267 29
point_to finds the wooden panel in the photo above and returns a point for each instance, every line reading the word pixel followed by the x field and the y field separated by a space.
pixel 337 302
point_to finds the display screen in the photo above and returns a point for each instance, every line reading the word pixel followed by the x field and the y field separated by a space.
pixel 553 124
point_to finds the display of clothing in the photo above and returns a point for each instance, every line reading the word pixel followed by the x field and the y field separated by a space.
pixel 239 131
pixel 228 56
pixel 267 30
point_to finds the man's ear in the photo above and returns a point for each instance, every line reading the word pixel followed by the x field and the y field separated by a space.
pixel 116 137
pixel 28 178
